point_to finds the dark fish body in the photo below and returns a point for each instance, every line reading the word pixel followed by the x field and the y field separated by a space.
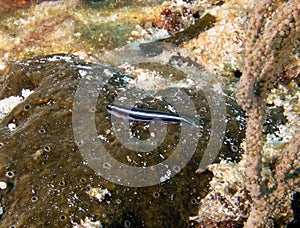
pixel 144 115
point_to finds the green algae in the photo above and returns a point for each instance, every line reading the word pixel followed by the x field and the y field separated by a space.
pixel 103 36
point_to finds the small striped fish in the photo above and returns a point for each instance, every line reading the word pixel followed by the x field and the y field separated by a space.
pixel 144 115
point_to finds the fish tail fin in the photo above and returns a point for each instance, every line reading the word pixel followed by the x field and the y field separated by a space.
pixel 189 121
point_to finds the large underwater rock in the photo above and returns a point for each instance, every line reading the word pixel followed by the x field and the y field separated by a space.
pixel 48 181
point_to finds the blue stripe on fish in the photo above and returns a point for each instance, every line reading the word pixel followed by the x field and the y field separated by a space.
pixel 144 115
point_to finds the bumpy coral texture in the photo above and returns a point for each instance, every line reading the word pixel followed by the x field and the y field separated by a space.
pixel 273 31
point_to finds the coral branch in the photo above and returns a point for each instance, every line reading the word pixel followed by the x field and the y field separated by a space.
pixel 272 35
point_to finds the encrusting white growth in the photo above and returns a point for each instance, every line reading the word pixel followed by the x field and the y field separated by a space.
pixel 87 223
pixel 98 193
pixel 7 104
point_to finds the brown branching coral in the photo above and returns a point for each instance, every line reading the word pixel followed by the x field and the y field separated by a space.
pixel 273 31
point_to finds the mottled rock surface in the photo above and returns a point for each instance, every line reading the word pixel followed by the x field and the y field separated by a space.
pixel 47 178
